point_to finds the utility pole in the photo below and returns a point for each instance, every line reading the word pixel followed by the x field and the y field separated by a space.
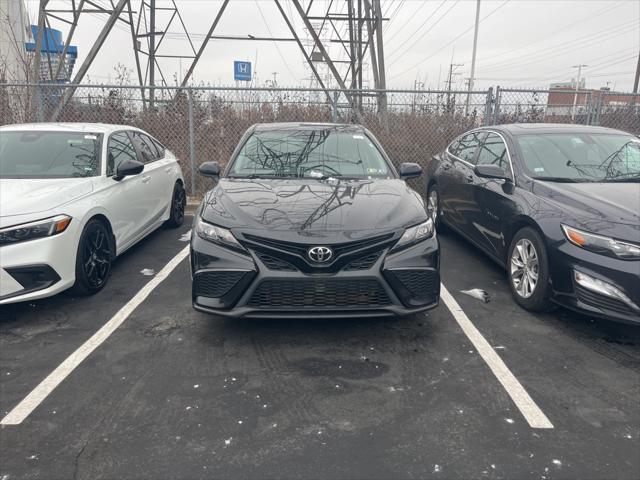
pixel 152 50
pixel 575 95
pixel 637 80
pixel 473 57
pixel 452 66
pixel 275 80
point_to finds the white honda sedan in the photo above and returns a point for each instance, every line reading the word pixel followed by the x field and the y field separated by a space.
pixel 75 196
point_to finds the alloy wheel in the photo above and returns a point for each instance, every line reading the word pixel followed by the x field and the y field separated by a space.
pixel 96 257
pixel 179 200
pixel 524 268
pixel 432 205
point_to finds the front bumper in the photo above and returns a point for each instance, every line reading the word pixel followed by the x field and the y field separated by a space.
pixel 231 284
pixel 37 268
pixel 566 258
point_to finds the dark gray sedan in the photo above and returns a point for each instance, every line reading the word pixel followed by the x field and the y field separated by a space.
pixel 558 206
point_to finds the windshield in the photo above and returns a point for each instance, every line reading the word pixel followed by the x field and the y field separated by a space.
pixel 580 157
pixel 311 154
pixel 33 154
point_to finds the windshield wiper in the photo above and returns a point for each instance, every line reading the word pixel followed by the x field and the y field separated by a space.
pixel 261 175
pixel 563 179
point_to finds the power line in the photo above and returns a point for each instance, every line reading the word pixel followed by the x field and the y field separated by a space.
pixel 453 40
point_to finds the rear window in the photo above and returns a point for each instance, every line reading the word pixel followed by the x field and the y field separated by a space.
pixel 37 154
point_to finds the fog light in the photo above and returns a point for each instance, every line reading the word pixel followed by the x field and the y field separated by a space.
pixel 603 288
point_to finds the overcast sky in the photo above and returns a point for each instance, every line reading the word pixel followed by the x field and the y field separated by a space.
pixel 522 43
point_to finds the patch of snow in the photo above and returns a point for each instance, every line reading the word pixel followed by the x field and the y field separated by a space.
pixel 509 420
pixel 557 462
pixel 188 408
pixel 196 386
pixel 186 237
pixel 33 457
pixel 228 441
pixel 147 272
pixel 437 468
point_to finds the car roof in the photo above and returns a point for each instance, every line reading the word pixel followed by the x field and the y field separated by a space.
pixel 261 127
pixel 531 128
pixel 68 127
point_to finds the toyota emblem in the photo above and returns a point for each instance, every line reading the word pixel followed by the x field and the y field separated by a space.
pixel 320 254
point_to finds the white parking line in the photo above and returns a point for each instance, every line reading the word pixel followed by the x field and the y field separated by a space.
pixel 531 412
pixel 38 394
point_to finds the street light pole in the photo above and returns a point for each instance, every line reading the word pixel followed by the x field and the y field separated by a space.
pixel 575 95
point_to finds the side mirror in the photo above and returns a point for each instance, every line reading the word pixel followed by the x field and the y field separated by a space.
pixel 410 170
pixel 491 171
pixel 209 169
pixel 128 168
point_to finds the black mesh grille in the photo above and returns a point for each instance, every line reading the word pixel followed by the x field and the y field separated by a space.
pixel 363 263
pixel 273 263
pixel 419 282
pixel 311 293
pixel 600 301
pixel 215 284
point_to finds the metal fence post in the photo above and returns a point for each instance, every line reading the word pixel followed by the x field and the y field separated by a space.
pixel 587 119
pixel 488 107
pixel 595 120
pixel 334 107
pixel 192 146
pixel 496 106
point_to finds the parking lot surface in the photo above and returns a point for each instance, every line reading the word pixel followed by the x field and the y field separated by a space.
pixel 173 393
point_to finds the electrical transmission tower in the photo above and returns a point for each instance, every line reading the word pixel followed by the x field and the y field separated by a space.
pixel 149 26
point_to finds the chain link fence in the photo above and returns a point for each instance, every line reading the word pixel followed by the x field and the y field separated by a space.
pixel 203 124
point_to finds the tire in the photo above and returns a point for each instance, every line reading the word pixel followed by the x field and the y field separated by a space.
pixel 528 271
pixel 93 258
pixel 435 215
pixel 178 202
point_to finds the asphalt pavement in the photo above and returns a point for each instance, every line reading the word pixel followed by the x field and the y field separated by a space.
pixel 173 393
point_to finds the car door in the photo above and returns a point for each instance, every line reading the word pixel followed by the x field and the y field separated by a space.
pixel 170 168
pixel 125 198
pixel 457 200
pixel 153 177
pixel 492 197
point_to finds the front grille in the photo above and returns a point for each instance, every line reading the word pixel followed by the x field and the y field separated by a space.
pixel 273 263
pixel 324 293
pixel 363 263
pixel 600 301
pixel 215 284
pixel 296 254
pixel 419 282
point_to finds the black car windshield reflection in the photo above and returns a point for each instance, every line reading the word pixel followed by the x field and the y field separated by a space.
pixel 313 153
pixel 581 157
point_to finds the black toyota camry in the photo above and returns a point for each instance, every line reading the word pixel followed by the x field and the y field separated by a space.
pixel 312 220
pixel 557 205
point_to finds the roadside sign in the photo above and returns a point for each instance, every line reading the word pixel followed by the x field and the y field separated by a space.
pixel 242 71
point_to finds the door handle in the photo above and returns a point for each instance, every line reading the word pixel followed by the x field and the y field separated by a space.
pixel 446 166
pixel 470 178
pixel 146 179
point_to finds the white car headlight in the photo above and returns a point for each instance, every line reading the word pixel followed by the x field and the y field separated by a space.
pixel 603 245
pixel 213 233
pixel 32 230
pixel 416 233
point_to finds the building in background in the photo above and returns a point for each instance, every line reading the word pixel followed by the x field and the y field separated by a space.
pixel 51 56
pixel 563 96
pixel 15 33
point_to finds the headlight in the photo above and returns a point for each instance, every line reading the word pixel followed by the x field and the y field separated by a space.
pixel 603 245
pixel 416 233
pixel 30 231
pixel 216 234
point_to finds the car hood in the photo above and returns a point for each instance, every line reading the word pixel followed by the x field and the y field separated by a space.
pixel 27 196
pixel 299 209
pixel 613 202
